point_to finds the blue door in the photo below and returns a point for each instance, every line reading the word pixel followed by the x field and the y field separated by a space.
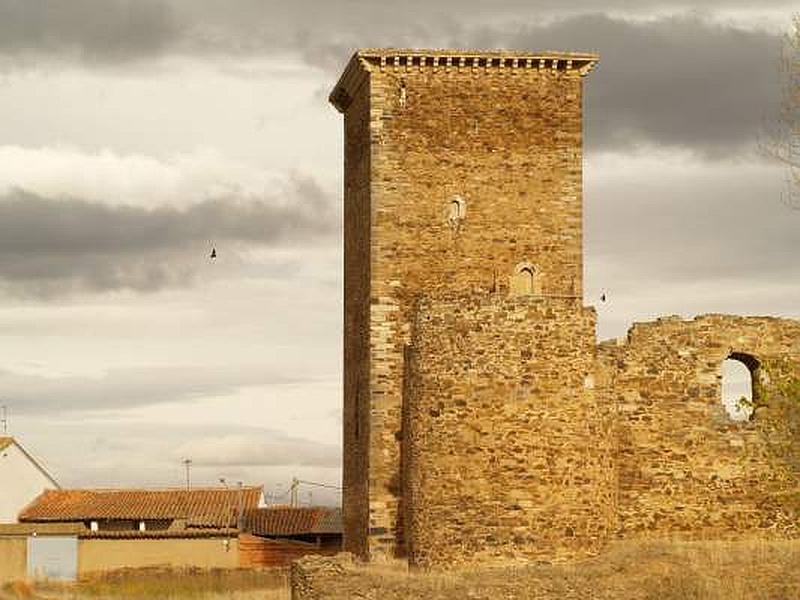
pixel 51 557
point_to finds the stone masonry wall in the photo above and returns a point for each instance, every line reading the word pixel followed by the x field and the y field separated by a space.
pixel 509 453
pixel 473 171
pixel 685 468
pixel 477 406
pixel 356 412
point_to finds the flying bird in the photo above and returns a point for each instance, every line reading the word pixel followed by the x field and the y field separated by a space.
pixel 213 253
pixel 603 297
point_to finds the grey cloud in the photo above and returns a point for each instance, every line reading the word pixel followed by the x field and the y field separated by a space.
pixel 696 227
pixel 120 389
pixel 678 81
pixel 239 25
pixel 124 453
pixel 93 30
pixel 108 30
pixel 54 246
pixel 681 81
pixel 259 450
pixel 689 238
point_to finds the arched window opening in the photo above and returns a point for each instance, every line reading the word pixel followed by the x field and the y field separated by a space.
pixel 455 211
pixel 739 372
pixel 525 281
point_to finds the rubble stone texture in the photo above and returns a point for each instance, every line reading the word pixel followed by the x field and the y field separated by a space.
pixel 685 469
pixel 482 422
pixel 509 452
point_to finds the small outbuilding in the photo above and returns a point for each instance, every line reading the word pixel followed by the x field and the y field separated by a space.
pixel 276 536
pixel 67 534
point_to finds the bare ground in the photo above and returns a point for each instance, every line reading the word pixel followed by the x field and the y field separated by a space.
pixel 161 584
pixel 752 570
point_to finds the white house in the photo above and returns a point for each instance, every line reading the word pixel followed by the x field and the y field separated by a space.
pixel 22 479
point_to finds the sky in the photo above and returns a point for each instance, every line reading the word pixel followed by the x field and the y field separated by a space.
pixel 135 135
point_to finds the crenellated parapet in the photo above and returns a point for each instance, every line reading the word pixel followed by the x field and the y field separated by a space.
pixel 476 62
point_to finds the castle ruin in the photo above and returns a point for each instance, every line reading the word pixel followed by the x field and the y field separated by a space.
pixel 482 420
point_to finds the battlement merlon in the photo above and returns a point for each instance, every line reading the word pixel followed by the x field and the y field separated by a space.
pixel 398 59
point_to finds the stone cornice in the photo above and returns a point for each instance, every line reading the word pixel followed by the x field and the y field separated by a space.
pixel 396 59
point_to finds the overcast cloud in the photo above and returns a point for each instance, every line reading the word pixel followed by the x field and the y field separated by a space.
pixel 131 453
pixel 675 81
pixel 668 234
pixel 105 31
pixel 671 80
pixel 257 449
pixel 62 245
pixel 99 31
pixel 120 389
pixel 142 180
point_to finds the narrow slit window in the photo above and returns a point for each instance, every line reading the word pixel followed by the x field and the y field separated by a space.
pixel 456 211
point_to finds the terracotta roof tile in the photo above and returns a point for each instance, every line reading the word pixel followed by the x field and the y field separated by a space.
pixel 330 521
pixel 287 521
pixel 200 507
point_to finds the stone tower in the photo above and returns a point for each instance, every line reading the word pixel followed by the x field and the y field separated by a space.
pixel 462 176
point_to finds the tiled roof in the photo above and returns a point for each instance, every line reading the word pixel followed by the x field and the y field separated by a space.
pixel 287 521
pixel 330 522
pixel 5 442
pixel 200 507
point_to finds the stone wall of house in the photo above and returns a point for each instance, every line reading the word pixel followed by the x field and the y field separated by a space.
pixel 685 467
pixel 509 453
pixel 474 177
pixel 103 555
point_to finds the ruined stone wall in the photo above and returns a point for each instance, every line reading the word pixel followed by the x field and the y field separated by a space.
pixel 509 453
pixel 474 170
pixel 685 468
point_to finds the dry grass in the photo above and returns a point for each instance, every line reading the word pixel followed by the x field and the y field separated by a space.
pixel 149 584
pixel 751 570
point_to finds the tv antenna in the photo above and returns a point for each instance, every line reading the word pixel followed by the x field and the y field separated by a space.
pixel 187 462
pixel 293 490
